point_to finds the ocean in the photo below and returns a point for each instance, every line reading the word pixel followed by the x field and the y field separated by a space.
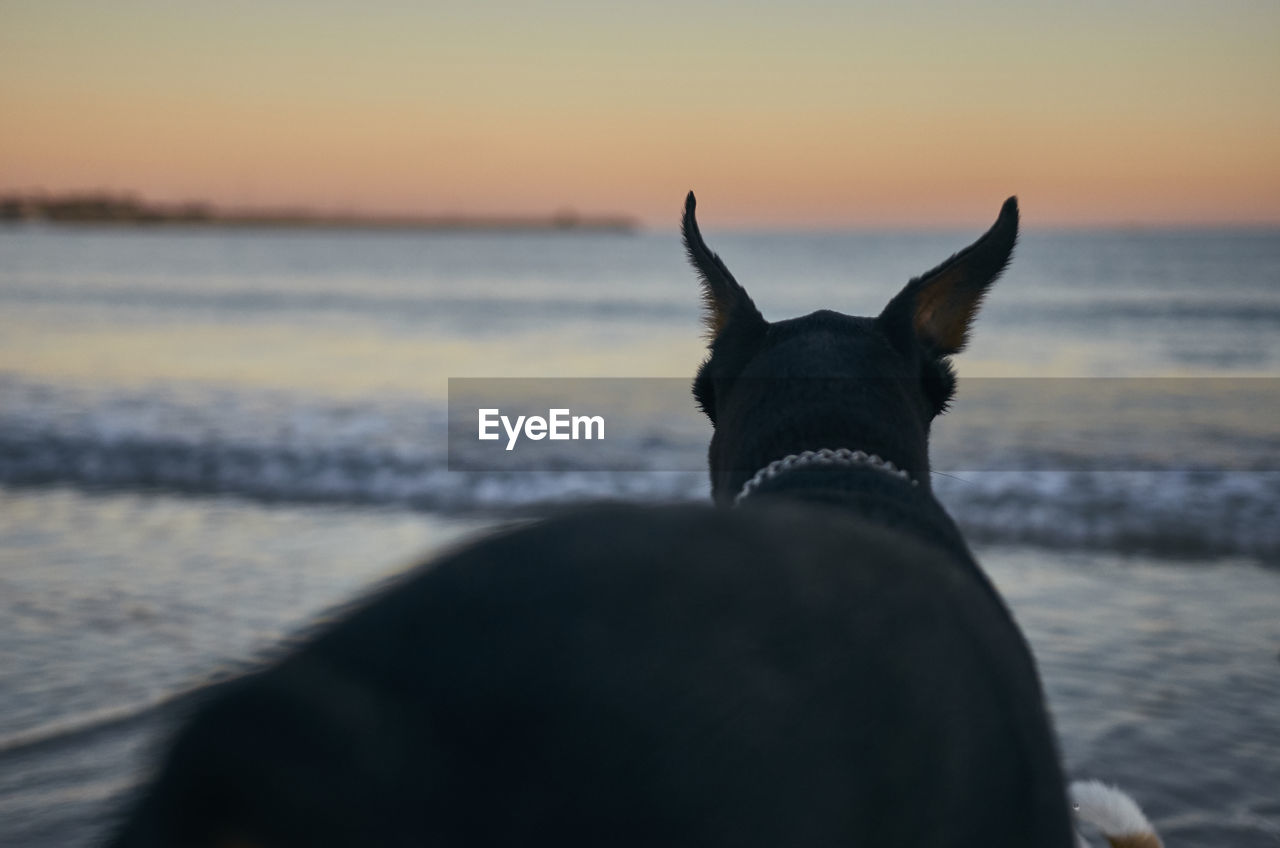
pixel 208 437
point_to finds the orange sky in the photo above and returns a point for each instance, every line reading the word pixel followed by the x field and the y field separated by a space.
pixel 810 113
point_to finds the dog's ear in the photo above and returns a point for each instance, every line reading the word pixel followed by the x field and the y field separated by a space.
pixel 727 303
pixel 938 307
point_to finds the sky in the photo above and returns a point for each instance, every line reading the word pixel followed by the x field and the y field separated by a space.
pixel 804 114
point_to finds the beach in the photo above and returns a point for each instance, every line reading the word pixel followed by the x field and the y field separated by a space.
pixel 208 439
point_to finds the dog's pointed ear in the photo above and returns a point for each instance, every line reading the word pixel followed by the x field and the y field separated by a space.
pixel 727 303
pixel 939 306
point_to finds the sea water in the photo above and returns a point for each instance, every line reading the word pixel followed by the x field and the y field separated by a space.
pixel 208 437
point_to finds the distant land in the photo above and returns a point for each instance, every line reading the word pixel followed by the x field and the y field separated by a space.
pixel 128 210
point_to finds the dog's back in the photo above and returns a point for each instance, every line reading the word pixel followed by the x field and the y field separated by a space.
pixel 629 676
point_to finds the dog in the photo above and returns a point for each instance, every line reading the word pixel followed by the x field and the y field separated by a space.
pixel 816 660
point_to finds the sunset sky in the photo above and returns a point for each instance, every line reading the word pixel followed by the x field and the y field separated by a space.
pixel 799 114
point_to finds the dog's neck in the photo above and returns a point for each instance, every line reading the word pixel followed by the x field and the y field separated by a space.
pixel 872 492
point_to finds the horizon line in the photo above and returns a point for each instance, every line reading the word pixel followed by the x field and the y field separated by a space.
pixel 127 208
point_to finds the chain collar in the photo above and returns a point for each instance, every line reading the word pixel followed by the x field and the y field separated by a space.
pixel 824 458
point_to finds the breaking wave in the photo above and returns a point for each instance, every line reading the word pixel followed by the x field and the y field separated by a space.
pixel 285 450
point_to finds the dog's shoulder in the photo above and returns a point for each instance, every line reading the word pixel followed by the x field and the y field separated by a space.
pixel 676 575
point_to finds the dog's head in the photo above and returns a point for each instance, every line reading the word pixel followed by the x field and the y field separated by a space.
pixel 829 380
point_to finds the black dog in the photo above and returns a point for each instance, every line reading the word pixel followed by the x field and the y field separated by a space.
pixel 824 666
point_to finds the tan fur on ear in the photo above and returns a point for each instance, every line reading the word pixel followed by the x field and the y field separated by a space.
pixel 942 303
pixel 944 311
pixel 715 314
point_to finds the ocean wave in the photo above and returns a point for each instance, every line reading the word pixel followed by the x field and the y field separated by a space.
pixel 393 453
pixel 1178 514
pixel 291 473
pixel 1168 513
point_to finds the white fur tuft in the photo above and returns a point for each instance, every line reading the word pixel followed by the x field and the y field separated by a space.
pixel 1109 809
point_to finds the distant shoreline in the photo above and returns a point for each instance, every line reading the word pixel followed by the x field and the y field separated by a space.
pixel 127 211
